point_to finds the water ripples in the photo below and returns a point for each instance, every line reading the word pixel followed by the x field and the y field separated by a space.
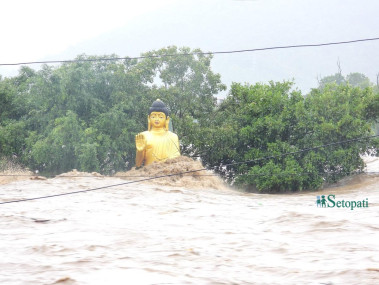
pixel 146 234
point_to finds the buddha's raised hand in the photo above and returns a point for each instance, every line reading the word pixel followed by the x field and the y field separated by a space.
pixel 140 142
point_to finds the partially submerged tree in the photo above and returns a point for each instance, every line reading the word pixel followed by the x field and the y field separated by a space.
pixel 109 101
pixel 263 123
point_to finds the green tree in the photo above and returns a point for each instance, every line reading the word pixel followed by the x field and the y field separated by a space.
pixel 104 97
pixel 6 100
pixel 357 79
pixel 337 79
pixel 57 152
pixel 12 138
pixel 260 121
pixel 186 84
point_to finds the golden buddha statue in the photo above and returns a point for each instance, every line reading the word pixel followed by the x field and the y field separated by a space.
pixel 157 143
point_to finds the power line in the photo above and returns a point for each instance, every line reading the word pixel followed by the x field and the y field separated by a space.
pixel 184 172
pixel 300 151
pixel 191 53
pixel 195 175
pixel 98 188
pixel 223 165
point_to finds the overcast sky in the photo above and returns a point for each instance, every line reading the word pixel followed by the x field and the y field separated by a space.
pixel 56 30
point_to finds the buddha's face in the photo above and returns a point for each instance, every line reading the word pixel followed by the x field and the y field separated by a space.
pixel 158 119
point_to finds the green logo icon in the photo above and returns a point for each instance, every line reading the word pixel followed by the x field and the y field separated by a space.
pixel 331 202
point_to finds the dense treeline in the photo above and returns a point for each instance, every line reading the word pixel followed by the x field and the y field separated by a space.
pixel 261 120
pixel 85 115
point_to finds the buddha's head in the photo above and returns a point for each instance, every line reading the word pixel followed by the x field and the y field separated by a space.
pixel 158 116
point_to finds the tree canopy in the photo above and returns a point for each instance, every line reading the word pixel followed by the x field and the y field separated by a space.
pixel 271 120
pixel 85 115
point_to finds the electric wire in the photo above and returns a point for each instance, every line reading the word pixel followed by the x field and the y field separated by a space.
pixel 191 53
pixel 98 188
pixel 300 151
pixel 229 164
pixel 197 175
pixel 181 173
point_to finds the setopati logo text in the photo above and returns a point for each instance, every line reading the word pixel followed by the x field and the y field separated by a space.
pixel 331 202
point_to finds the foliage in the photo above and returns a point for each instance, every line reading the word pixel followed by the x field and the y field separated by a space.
pixel 358 80
pixel 355 79
pixel 85 115
pixel 187 85
pixel 259 121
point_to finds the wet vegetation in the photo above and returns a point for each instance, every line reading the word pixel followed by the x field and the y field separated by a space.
pixel 85 114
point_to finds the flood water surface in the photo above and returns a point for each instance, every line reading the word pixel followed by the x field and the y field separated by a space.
pixel 156 234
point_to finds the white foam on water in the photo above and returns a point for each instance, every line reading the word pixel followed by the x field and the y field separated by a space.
pixel 159 234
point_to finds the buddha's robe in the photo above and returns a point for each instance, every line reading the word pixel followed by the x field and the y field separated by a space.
pixel 160 146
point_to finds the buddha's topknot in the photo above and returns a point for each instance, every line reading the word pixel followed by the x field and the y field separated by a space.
pixel 159 106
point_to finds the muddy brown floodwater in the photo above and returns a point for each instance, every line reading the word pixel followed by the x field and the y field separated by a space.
pixel 159 234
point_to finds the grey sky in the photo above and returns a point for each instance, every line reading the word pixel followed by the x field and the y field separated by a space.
pixel 219 25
